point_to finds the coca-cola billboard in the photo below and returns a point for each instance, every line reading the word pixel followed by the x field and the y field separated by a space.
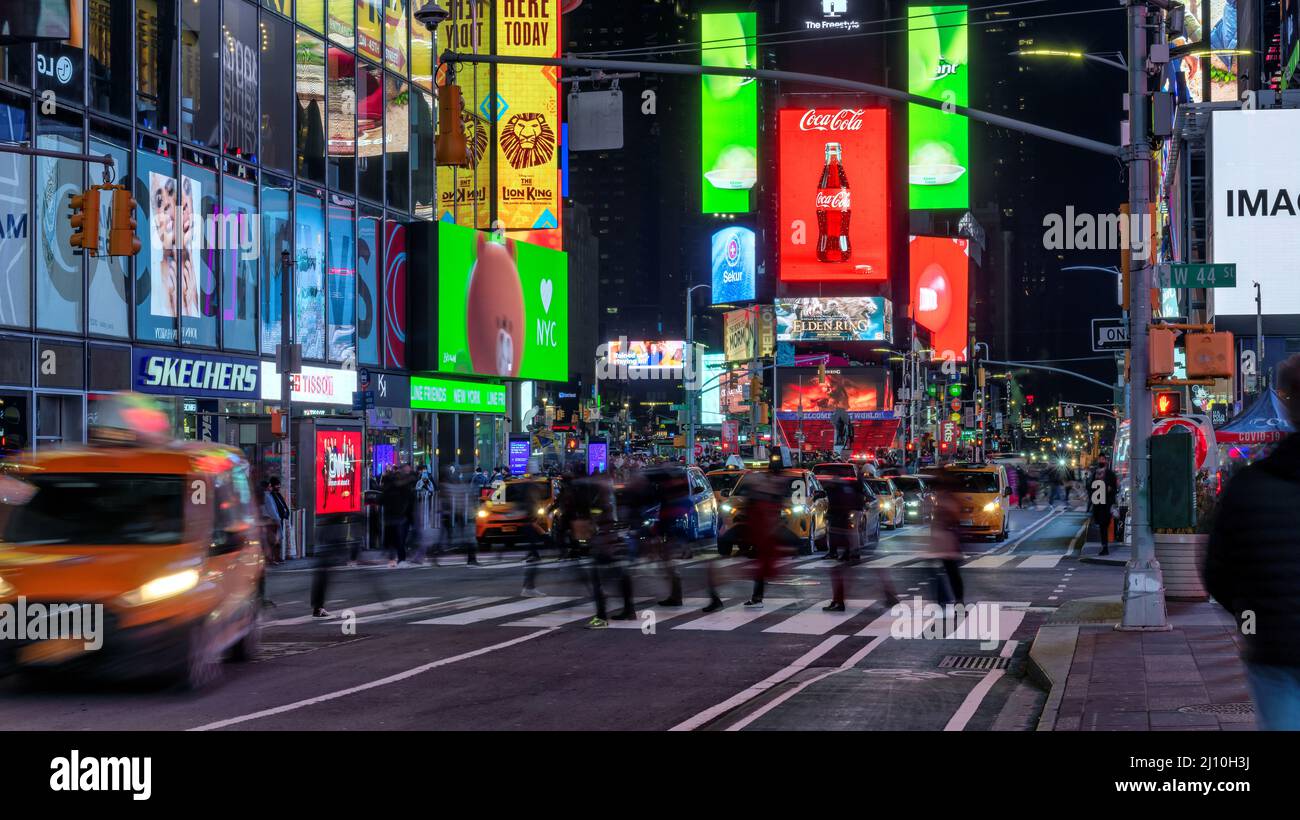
pixel 834 200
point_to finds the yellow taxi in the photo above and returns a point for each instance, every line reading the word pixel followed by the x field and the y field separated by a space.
pixel 981 496
pixel 131 559
pixel 723 481
pixel 519 510
pixel 892 503
pixel 804 520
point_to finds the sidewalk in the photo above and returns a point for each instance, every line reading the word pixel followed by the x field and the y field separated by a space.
pixel 1101 679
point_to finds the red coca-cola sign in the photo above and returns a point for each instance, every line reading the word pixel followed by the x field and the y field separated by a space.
pixel 835 199
pixel 821 119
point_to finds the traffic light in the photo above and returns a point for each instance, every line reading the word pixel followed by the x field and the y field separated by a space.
pixel 1166 404
pixel 1029 398
pixel 955 389
pixel 450 147
pixel 932 389
pixel 911 446
pixel 763 417
pixel 122 238
pixel 84 218
pixel 571 442
pixel 982 375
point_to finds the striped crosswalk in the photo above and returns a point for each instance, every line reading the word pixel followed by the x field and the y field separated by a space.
pixel 862 617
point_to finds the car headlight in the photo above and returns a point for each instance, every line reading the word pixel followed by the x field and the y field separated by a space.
pixel 914 503
pixel 482 513
pixel 991 506
pixel 6 588
pixel 727 508
pixel 541 512
pixel 163 587
pixel 886 505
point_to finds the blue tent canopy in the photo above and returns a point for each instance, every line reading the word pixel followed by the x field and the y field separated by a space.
pixel 1264 421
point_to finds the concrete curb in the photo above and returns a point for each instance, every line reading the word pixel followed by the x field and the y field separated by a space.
pixel 1076 543
pixel 1050 658
pixel 1109 562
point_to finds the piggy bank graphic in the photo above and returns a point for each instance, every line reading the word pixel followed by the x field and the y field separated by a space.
pixel 494 314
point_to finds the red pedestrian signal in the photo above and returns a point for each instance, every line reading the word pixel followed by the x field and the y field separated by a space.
pixel 1168 404
pixel 1029 398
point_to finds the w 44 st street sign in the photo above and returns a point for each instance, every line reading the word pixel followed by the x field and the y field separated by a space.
pixel 1196 275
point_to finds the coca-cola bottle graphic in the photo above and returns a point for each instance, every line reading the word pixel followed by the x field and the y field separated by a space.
pixel 833 208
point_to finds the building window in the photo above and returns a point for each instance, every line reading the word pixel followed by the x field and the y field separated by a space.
pixel 341 29
pixel 155 57
pixel 109 52
pixel 369 263
pixel 235 236
pixel 394 294
pixel 16 223
pixel 340 278
pixel 342 120
pixel 197 260
pixel 239 76
pixel 156 273
pixel 370 132
pixel 277 46
pixel 311 111
pixel 370 27
pixel 311 13
pixel 201 40
pixel 397 166
pixel 59 278
pixel 107 276
pixel 395 36
pixel 422 165
pixel 309 276
pixel 277 256
pixel 421 49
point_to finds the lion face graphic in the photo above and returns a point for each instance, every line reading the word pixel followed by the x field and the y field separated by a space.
pixel 528 140
pixel 476 137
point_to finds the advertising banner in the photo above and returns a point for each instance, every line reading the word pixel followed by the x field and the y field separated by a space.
pixel 940 285
pixel 432 393
pixel 463 192
pixel 938 141
pixel 658 355
pixel 733 266
pixel 728 113
pixel 520 449
pixel 338 464
pixel 856 389
pixel 314 385
pixel 765 330
pixel 730 436
pixel 1256 203
pixel 835 319
pixel 503 309
pixel 738 342
pixel 528 118
pixel 597 457
pixel 711 395
pixel 833 207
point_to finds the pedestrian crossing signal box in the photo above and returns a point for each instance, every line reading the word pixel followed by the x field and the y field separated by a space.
pixel 1166 404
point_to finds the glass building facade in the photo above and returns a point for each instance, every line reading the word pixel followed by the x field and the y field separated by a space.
pixel 285 144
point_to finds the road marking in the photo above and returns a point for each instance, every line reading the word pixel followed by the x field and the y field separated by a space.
pixel 392 603
pixel 577 612
pixel 989 562
pixel 736 615
pixel 893 560
pixel 813 621
pixel 352 690
pixel 1009 621
pixel 690 606
pixel 499 611
pixel 784 696
pixel 976 696
pixel 801 663
pixel 1040 562
pixel 1033 528
pixel 455 603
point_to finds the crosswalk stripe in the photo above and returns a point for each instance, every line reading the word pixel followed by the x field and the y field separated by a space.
pixel 569 614
pixel 1008 621
pixel 467 602
pixel 883 626
pixel 499 611
pixel 392 603
pixel 736 615
pixel 893 560
pixel 1040 562
pixel 690 606
pixel 989 562
pixel 813 621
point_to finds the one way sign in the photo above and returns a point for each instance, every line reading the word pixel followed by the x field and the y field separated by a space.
pixel 1109 334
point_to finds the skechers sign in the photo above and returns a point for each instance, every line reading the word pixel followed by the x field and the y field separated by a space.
pixel 733 266
pixel 180 374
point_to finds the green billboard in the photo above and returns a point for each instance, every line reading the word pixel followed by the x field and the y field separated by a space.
pixel 728 113
pixel 432 393
pixel 938 140
pixel 503 307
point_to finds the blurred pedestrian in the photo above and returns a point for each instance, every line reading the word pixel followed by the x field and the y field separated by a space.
pixel 1252 566
pixel 674 507
pixel 945 542
pixel 846 500
pixel 1102 492
pixel 276 508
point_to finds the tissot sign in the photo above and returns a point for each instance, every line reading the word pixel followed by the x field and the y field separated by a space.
pixel 1256 208
pixel 314 385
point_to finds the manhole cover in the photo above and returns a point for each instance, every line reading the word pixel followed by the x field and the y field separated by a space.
pixel 982 663
pixel 1221 709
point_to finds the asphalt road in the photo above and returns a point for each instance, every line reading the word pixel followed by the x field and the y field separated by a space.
pixel 457 647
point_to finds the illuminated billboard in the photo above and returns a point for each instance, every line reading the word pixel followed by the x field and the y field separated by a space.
pixel 728 113
pixel 807 407
pixel 503 309
pixel 738 341
pixel 940 287
pixel 463 193
pixel 338 464
pixel 733 265
pixel 657 355
pixel 528 120
pixel 938 148
pixel 1256 199
pixel 835 319
pixel 715 369
pixel 833 209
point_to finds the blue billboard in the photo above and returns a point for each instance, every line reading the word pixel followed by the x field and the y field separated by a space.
pixel 733 266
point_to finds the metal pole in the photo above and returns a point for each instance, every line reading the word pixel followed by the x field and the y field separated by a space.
pixel 286 390
pixel 1259 338
pixel 1144 588
pixel 690 401
pixel 796 77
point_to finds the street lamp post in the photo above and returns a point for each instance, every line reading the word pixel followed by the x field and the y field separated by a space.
pixel 689 374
